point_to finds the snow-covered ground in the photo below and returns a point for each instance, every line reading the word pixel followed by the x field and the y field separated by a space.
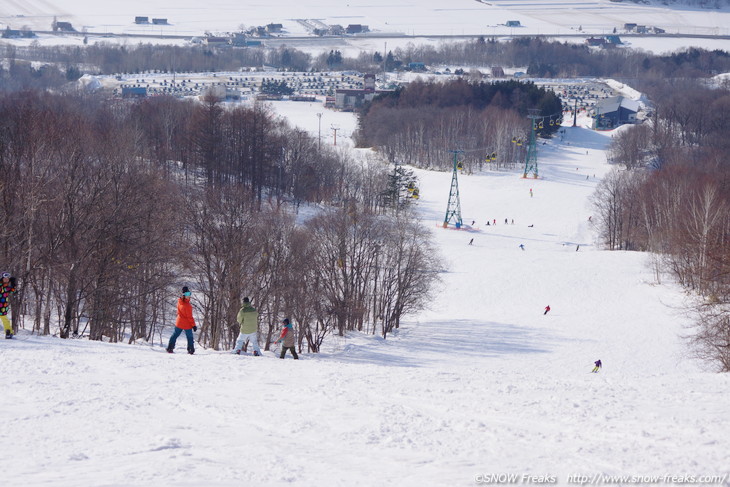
pixel 481 384
pixel 388 19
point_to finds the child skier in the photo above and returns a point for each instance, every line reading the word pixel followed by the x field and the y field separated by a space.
pixel 185 322
pixel 597 367
pixel 288 337
pixel 7 288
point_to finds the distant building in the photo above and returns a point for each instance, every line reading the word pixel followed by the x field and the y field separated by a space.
pixel 141 20
pixel 134 91
pixel 9 33
pixel 356 29
pixel 629 27
pixel 274 28
pixel 615 40
pixel 159 21
pixel 614 111
pixel 513 23
pixel 595 41
pixel 417 66
pixel 657 30
pixel 350 99
pixel 641 29
pixel 63 27
pixel 215 41
pixel 497 71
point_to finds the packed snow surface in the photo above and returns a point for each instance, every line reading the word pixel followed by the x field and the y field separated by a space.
pixel 482 384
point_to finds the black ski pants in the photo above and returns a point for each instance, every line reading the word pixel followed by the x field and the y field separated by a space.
pixel 293 352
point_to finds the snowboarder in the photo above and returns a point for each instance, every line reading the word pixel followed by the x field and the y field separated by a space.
pixel 248 318
pixel 7 288
pixel 185 322
pixel 530 192
pixel 597 367
pixel 522 246
pixel 288 337
pixel 471 241
pixel 577 247
pixel 547 308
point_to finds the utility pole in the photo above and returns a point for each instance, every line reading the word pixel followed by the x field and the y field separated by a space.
pixel 575 113
pixel 453 210
pixel 334 130
pixel 319 135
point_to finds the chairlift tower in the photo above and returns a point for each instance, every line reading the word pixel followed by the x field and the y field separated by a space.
pixel 531 157
pixel 453 211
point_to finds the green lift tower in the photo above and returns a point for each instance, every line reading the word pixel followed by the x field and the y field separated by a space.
pixel 453 211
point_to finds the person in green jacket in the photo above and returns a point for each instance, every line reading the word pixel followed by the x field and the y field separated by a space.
pixel 248 318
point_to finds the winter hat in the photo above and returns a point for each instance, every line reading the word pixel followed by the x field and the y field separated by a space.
pixel 6 274
pixel 185 290
pixel 286 322
pixel 246 300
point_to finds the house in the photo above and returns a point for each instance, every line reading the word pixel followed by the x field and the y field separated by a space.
pixel 159 21
pixel 615 40
pixel 657 30
pixel 641 29
pixel 497 72
pixel 9 33
pixel 513 23
pixel 134 91
pixel 629 27
pixel 595 41
pixel 356 29
pixel 614 111
pixel 215 41
pixel 141 20
pixel 63 27
pixel 274 28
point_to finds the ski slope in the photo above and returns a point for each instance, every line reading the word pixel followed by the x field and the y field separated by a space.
pixel 481 384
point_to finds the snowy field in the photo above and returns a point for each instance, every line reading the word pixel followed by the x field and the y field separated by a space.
pixel 482 384
pixel 390 20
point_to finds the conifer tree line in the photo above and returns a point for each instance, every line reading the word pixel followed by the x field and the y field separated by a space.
pixel 670 195
pixel 109 207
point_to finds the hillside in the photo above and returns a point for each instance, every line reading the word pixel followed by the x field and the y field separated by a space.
pixel 482 383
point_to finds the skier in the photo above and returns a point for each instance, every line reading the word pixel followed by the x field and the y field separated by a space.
pixel 471 241
pixel 288 337
pixel 547 308
pixel 522 246
pixel 185 322
pixel 7 288
pixel 248 318
pixel 597 367
pixel 530 192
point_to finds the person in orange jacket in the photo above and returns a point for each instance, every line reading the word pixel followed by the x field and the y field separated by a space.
pixel 185 322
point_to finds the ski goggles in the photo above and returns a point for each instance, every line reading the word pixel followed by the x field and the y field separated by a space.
pixel 187 294
pixel 6 275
